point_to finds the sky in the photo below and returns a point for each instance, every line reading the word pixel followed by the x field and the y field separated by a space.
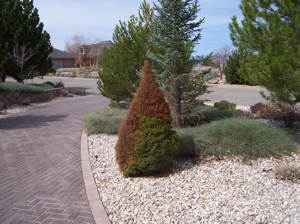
pixel 98 18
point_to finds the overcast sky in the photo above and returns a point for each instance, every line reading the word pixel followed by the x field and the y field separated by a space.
pixel 98 18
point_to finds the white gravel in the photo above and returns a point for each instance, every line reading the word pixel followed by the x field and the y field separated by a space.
pixel 13 109
pixel 227 191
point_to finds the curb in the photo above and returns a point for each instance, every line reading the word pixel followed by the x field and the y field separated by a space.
pixel 95 203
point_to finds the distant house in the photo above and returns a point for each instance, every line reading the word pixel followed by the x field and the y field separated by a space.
pixel 92 52
pixel 62 59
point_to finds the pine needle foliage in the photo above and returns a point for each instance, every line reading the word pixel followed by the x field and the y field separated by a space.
pixel 269 35
pixel 119 78
pixel 177 30
pixel 146 143
pixel 24 44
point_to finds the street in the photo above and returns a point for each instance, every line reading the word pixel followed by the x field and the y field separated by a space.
pixel 241 95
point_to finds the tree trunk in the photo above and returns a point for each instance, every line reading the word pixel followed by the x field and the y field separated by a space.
pixel 175 106
pixel 3 77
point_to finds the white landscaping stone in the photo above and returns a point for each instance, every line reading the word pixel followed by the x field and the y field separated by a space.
pixel 227 191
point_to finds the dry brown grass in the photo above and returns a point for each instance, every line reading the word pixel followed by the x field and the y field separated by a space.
pixel 289 172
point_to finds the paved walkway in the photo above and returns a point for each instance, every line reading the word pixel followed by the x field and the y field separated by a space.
pixel 40 165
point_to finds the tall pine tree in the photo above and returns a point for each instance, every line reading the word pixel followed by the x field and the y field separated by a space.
pixel 176 33
pixel 24 46
pixel 119 77
pixel 270 35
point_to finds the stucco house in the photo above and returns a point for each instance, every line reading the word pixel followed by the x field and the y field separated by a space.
pixel 92 52
pixel 62 59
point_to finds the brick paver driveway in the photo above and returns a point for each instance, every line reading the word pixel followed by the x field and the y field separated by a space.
pixel 40 168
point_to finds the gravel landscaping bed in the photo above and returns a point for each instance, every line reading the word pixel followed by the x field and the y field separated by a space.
pixel 211 191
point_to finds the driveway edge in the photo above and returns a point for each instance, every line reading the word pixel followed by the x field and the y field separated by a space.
pixel 95 203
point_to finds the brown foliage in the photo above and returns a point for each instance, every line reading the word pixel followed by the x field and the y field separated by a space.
pixel 285 113
pixel 148 101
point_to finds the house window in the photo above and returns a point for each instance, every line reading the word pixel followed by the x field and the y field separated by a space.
pixel 81 50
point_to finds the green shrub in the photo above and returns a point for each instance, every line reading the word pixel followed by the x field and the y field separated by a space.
pixel 203 114
pixel 232 67
pixel 14 86
pixel 215 115
pixel 52 70
pixel 245 137
pixel 155 147
pixel 225 105
pixel 104 120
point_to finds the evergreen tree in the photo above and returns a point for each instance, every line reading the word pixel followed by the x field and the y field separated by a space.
pixel 269 34
pixel 24 46
pixel 176 33
pixel 146 142
pixel 231 69
pixel 119 77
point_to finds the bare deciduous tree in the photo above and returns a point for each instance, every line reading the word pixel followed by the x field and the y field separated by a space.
pixel 221 56
pixel 72 44
pixel 20 55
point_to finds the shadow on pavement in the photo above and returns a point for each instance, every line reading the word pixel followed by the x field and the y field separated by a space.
pixel 28 121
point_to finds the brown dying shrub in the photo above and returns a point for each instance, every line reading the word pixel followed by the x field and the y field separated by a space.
pixel 286 114
pixel 79 92
pixel 63 92
pixel 148 103
pixel 25 101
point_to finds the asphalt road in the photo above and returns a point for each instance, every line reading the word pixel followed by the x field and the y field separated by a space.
pixel 241 95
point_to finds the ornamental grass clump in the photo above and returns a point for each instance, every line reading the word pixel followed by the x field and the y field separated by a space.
pixel 146 142
pixel 104 120
pixel 235 137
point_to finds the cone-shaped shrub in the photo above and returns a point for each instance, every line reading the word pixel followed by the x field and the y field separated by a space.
pixel 146 142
